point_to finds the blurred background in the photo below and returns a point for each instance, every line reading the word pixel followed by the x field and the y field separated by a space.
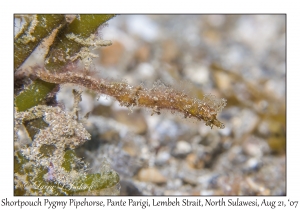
pixel 241 58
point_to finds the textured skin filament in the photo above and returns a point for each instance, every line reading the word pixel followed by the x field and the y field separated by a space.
pixel 156 98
